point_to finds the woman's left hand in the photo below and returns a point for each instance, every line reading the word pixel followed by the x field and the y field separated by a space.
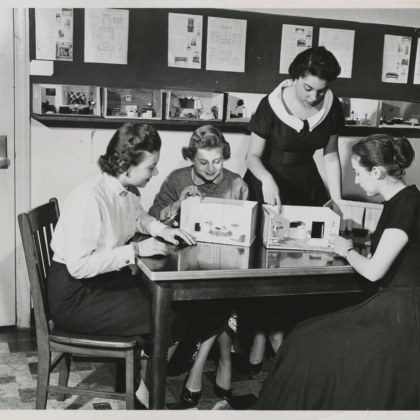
pixel 341 245
pixel 170 234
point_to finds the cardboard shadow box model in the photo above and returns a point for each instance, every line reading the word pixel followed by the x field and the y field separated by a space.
pixel 219 220
pixel 314 228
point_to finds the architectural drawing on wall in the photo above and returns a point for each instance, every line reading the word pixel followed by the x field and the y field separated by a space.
pixel 396 58
pixel 185 34
pixel 54 34
pixel 294 40
pixel 226 40
pixel 341 43
pixel 416 80
pixel 106 36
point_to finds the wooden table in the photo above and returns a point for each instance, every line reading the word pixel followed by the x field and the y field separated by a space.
pixel 213 271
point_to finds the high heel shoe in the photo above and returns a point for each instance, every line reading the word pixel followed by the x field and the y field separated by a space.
pixel 254 369
pixel 189 398
pixel 222 393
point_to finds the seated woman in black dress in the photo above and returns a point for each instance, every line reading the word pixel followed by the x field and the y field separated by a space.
pixel 91 288
pixel 365 356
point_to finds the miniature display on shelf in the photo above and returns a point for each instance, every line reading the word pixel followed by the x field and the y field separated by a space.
pixel 220 220
pixel 361 112
pixel 299 227
pixel 194 105
pixel 132 103
pixel 241 106
pixel 400 113
pixel 70 100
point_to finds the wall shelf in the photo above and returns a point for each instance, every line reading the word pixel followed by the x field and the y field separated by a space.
pixel 114 123
pixel 225 127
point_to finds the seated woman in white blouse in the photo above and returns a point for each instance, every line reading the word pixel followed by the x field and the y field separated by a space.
pixel 91 288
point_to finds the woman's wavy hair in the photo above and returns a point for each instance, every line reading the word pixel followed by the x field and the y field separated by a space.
pixel 317 61
pixel 127 148
pixel 206 137
pixel 392 154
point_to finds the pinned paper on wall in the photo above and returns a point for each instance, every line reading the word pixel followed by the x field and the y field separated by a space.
pixel 54 34
pixel 226 39
pixel 294 40
pixel 341 43
pixel 396 59
pixel 106 36
pixel 185 34
pixel 416 80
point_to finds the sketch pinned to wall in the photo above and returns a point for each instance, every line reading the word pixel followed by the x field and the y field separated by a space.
pixel 106 36
pixel 294 40
pixel 54 34
pixel 341 43
pixel 226 40
pixel 396 58
pixel 416 80
pixel 185 33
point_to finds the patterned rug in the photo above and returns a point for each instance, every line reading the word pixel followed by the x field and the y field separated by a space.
pixel 18 374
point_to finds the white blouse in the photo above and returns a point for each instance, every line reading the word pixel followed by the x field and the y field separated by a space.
pixel 96 221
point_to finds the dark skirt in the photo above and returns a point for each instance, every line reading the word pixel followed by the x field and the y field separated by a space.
pixel 118 303
pixel 114 303
pixel 364 357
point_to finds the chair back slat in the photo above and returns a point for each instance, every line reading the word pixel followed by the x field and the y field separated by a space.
pixel 36 228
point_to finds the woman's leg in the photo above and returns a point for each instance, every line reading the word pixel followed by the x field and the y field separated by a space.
pixel 195 377
pixel 224 369
pixel 276 340
pixel 256 354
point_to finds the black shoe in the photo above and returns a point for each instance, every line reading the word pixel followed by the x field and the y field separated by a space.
pixel 223 394
pixel 138 405
pixel 189 398
pixel 254 369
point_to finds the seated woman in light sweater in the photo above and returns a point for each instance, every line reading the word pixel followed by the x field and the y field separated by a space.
pixel 206 177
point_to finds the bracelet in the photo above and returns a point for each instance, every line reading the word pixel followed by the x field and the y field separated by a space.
pixel 348 250
pixel 135 246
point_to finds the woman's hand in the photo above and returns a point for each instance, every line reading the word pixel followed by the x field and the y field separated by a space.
pixel 168 214
pixel 190 191
pixel 271 192
pixel 170 234
pixel 152 246
pixel 341 245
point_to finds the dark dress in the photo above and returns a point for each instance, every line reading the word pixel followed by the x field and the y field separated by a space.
pixel 288 154
pixel 365 356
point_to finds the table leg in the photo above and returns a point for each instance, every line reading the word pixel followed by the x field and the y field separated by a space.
pixel 161 306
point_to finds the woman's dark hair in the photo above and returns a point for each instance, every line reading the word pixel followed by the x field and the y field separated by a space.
pixel 206 137
pixel 393 154
pixel 127 148
pixel 317 61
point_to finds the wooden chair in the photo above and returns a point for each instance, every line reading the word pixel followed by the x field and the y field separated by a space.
pixel 36 229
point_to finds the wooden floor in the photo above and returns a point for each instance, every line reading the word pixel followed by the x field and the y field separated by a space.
pixel 18 373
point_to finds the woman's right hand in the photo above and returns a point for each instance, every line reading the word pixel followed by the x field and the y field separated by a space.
pixel 190 191
pixel 152 246
pixel 271 192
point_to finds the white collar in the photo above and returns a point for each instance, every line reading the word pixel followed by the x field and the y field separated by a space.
pixel 277 104
pixel 114 184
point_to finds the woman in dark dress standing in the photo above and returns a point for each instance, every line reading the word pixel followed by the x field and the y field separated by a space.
pixel 365 356
pixel 299 117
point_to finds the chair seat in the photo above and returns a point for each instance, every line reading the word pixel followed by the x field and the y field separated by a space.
pixel 58 335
